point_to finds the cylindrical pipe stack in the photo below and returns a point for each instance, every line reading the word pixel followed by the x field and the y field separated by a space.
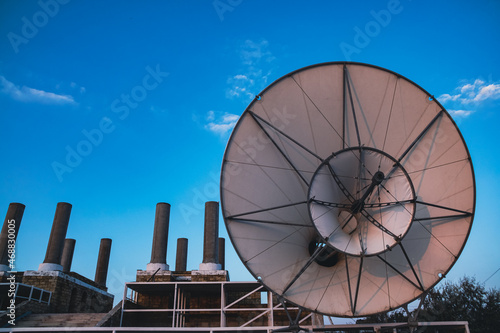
pixel 160 238
pixel 181 258
pixel 67 255
pixel 9 232
pixel 101 271
pixel 222 254
pixel 55 247
pixel 211 235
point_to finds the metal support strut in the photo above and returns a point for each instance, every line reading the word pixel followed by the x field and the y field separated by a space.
pixel 294 323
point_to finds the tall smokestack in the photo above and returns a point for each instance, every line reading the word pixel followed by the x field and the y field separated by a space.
pixel 160 238
pixel 222 253
pixel 67 255
pixel 55 247
pixel 211 242
pixel 9 232
pixel 101 271
pixel 181 258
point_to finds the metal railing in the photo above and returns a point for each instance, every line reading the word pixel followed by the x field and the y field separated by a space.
pixel 394 327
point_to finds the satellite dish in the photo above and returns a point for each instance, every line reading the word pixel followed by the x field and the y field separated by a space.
pixel 347 189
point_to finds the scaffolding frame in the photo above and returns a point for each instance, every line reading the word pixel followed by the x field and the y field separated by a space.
pixel 271 308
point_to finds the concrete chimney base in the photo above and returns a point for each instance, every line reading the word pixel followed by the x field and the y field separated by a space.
pixel 154 266
pixel 4 268
pixel 210 266
pixel 48 267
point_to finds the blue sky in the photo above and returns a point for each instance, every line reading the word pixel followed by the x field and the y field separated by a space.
pixel 147 94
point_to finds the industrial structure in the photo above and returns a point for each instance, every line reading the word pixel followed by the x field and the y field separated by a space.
pixel 53 288
pixel 55 296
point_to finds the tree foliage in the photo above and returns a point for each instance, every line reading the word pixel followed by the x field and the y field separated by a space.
pixel 396 316
pixel 467 300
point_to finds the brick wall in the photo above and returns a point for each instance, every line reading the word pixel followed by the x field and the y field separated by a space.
pixel 70 293
pixel 208 276
pixel 160 276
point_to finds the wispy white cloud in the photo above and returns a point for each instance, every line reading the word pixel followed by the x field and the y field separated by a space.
pixel 470 94
pixel 32 95
pixel 253 76
pixel 248 81
pixel 447 97
pixel 475 92
pixel 255 52
pixel 491 91
pixel 219 123
pixel 81 89
pixel 210 116
pixel 240 77
pixel 460 113
pixel 239 88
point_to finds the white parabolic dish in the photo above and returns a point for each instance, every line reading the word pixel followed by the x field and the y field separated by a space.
pixel 347 189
